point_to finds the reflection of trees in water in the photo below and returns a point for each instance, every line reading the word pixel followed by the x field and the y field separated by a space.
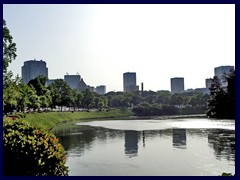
pixel 79 138
pixel 104 133
pixel 198 133
pixel 223 143
pixel 76 138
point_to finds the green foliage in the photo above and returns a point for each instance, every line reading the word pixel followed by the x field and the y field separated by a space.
pixel 9 47
pixel 61 93
pixel 11 93
pixel 146 109
pixel 226 174
pixel 87 99
pixel 31 151
pixel 38 84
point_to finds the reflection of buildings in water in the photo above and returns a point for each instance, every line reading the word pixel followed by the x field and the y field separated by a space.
pixel 223 143
pixel 143 138
pixel 179 138
pixel 131 143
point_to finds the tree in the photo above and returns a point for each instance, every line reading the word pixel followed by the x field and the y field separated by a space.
pixel 10 90
pixel 61 93
pixel 221 103
pixel 39 85
pixel 78 100
pixel 87 99
pixel 9 47
pixel 26 91
pixel 11 93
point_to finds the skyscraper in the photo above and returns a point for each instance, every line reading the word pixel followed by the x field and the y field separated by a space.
pixel 177 85
pixel 101 89
pixel 72 80
pixel 75 82
pixel 33 68
pixel 221 70
pixel 129 82
pixel 208 83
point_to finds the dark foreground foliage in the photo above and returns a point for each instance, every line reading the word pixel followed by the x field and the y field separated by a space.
pixel 29 151
pixel 222 97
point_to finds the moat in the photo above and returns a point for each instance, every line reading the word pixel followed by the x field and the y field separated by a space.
pixel 172 147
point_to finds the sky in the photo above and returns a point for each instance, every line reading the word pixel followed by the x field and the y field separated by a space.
pixel 103 41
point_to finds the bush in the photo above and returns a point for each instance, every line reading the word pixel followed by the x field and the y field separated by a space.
pixel 31 151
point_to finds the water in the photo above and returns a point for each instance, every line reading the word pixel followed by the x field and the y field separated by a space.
pixel 173 147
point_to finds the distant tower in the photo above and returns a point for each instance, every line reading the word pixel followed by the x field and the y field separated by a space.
pixel 101 89
pixel 142 87
pixel 177 85
pixel 33 68
pixel 72 80
pixel 129 82
pixel 208 83
pixel 219 71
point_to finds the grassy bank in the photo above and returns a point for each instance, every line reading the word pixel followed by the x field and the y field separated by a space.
pixel 50 119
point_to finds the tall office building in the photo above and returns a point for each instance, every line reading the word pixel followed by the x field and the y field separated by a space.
pixel 129 82
pixel 72 80
pixel 221 70
pixel 75 82
pixel 101 89
pixel 177 85
pixel 208 83
pixel 33 68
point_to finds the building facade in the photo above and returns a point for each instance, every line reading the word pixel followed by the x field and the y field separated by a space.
pixel 72 80
pixel 75 82
pixel 129 82
pixel 208 83
pixel 33 68
pixel 221 70
pixel 177 85
pixel 100 89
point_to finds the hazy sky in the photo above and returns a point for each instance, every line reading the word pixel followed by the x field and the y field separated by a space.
pixel 101 42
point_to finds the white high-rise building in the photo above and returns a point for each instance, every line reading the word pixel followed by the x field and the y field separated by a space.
pixel 33 68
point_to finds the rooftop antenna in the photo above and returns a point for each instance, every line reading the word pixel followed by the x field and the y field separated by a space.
pixel 77 73
pixel 66 73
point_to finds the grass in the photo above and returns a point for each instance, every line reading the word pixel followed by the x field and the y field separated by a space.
pixel 50 119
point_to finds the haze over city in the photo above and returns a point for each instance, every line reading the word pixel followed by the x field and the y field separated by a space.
pixel 101 42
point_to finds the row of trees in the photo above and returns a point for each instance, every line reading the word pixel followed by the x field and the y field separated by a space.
pixel 34 95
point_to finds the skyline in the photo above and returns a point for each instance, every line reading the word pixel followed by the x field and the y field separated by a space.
pixel 100 42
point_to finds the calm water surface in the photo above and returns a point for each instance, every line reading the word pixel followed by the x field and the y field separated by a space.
pixel 173 147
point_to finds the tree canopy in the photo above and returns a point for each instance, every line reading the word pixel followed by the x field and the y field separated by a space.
pixel 222 97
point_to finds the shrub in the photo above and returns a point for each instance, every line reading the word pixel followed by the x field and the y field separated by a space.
pixel 31 151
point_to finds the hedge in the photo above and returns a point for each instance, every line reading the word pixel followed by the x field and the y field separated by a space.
pixel 31 151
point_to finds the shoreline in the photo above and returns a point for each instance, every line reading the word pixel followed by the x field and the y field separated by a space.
pixel 51 119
